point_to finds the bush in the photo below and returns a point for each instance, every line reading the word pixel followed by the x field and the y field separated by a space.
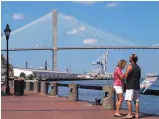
pixel 30 77
pixel 22 74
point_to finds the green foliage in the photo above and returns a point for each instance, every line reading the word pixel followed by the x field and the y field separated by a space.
pixel 22 74
pixel 3 93
pixel 30 77
pixel 4 63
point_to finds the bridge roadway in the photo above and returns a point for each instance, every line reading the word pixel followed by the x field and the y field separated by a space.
pixel 84 48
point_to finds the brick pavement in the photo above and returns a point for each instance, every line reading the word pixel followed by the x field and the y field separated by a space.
pixel 36 106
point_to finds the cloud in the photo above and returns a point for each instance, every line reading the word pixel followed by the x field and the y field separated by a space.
pixel 68 17
pixel 86 2
pixel 89 41
pixel 112 4
pixel 18 16
pixel 82 28
pixel 76 30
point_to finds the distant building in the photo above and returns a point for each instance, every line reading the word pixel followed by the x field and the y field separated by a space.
pixel 41 73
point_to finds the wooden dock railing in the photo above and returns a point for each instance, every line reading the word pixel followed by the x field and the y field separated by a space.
pixel 107 102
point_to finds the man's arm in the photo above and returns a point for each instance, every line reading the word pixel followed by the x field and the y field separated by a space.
pixel 140 73
pixel 128 69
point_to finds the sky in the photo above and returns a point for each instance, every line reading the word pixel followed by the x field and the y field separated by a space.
pixel 138 22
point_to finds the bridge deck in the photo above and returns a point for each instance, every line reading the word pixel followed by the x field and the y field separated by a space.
pixel 84 48
pixel 36 106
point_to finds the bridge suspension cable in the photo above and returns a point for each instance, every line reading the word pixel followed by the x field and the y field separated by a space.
pixel 72 34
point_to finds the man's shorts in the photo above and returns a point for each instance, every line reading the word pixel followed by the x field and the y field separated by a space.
pixel 118 89
pixel 132 95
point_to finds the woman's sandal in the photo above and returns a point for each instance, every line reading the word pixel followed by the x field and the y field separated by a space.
pixel 118 115
pixel 129 117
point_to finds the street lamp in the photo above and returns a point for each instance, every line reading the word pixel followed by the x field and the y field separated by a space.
pixel 26 65
pixel 7 32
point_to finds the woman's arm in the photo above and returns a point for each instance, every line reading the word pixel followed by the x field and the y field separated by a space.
pixel 119 73
pixel 121 76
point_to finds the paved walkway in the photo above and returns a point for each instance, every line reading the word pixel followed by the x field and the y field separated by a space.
pixel 37 106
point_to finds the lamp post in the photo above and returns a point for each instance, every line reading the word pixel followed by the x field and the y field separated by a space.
pixel 26 65
pixel 7 32
pixel 45 65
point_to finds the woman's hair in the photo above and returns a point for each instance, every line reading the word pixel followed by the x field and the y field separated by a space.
pixel 122 63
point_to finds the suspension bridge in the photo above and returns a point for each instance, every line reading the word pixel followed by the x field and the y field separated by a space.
pixel 57 31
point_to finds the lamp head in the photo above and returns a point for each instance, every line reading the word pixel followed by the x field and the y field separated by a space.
pixel 7 31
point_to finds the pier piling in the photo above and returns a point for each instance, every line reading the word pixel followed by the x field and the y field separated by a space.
pixel 73 94
pixel 28 85
pixel 54 89
pixel 109 99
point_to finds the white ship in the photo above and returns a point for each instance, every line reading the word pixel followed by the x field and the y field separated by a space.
pixel 152 75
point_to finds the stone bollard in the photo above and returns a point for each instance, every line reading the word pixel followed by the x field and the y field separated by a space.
pixel 54 89
pixel 28 85
pixel 13 83
pixel 39 84
pixel 73 94
pixel 44 87
pixel 32 86
pixel 109 100
pixel 36 86
pixel 47 86
pixel 10 83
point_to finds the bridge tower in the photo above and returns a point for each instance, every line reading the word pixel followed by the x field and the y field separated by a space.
pixel 54 38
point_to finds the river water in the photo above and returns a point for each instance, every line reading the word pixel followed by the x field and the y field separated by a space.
pixel 148 103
